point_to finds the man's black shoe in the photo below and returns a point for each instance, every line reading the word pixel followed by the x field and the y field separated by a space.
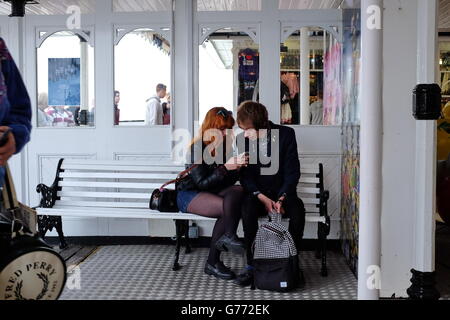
pixel 220 271
pixel 227 243
pixel 244 279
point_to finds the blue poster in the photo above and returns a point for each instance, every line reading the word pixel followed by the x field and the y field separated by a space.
pixel 64 81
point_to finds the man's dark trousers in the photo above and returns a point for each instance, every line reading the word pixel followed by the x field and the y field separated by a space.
pixel 253 209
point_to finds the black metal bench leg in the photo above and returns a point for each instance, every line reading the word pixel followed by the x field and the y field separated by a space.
pixel 186 236
pixel 59 229
pixel 319 241
pixel 42 226
pixel 323 249
pixel 179 231
pixel 47 223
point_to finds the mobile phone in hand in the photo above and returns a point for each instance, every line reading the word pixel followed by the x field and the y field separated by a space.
pixel 4 138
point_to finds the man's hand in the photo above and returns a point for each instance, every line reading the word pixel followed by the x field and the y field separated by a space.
pixel 9 149
pixel 269 204
pixel 279 205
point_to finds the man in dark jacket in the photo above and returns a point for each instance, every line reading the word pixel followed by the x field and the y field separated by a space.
pixel 271 179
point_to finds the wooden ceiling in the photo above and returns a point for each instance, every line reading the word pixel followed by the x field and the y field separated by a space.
pixel 55 7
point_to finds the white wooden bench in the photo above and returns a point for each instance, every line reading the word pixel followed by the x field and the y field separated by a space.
pixel 122 189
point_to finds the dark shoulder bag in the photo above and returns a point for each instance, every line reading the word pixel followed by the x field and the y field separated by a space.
pixel 165 200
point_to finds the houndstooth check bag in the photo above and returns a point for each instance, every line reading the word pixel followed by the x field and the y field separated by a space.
pixel 275 257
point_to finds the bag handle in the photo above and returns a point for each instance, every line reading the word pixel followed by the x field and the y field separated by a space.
pixel 182 175
pixel 275 217
pixel 9 191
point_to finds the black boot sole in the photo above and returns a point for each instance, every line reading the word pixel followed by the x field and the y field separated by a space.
pixel 212 273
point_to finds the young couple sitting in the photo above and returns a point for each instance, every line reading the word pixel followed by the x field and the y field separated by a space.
pixel 210 189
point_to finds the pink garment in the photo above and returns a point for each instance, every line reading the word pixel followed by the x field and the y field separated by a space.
pixel 291 80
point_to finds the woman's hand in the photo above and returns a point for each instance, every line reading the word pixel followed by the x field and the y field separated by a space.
pixel 8 150
pixel 238 162
pixel 268 203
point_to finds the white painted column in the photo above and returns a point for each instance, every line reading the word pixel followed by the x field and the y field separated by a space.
pixel 183 99
pixel 304 76
pixel 371 149
pixel 425 186
pixel 269 76
pixel 84 75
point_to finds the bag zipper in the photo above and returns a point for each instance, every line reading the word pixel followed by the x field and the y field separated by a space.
pixel 273 230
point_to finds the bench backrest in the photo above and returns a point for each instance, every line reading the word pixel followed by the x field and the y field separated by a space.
pixel 125 184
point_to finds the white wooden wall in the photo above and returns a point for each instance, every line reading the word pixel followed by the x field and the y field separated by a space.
pixel 37 163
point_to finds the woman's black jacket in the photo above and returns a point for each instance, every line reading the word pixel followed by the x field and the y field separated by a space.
pixel 207 177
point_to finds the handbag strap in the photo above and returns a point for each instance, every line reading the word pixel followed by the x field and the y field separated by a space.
pixel 275 217
pixel 9 191
pixel 182 175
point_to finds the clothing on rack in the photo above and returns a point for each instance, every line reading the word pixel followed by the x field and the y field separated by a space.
pixel 248 74
pixel 291 80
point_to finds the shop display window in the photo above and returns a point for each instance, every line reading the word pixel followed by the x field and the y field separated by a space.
pixel 324 68
pixel 228 70
pixel 142 78
pixel 65 81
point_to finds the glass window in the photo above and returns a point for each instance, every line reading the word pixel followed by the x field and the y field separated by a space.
pixel 142 5
pixel 142 79
pixel 444 66
pixel 228 71
pixel 228 5
pixel 322 102
pixel 65 72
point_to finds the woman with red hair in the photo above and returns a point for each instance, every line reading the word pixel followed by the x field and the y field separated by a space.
pixel 209 190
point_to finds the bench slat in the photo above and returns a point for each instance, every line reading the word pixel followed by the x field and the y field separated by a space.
pixel 119 168
pixel 307 201
pixel 155 162
pixel 116 175
pixel 308 190
pixel 116 185
pixel 106 195
pixel 68 202
pixel 119 213
pixel 135 214
pixel 309 170
pixel 310 180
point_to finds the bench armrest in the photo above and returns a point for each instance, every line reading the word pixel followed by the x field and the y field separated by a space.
pixel 48 195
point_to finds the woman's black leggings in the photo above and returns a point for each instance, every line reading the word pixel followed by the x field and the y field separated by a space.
pixel 226 208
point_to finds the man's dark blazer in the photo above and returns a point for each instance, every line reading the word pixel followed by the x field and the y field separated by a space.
pixel 285 180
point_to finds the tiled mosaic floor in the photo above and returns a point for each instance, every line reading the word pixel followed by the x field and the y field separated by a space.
pixel 144 273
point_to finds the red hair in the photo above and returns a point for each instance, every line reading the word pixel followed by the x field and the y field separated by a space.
pixel 217 118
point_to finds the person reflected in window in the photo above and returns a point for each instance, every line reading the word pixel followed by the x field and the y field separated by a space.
pixel 60 116
pixel 166 110
pixel 154 110
pixel 116 108
pixel 44 120
pixel 317 110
